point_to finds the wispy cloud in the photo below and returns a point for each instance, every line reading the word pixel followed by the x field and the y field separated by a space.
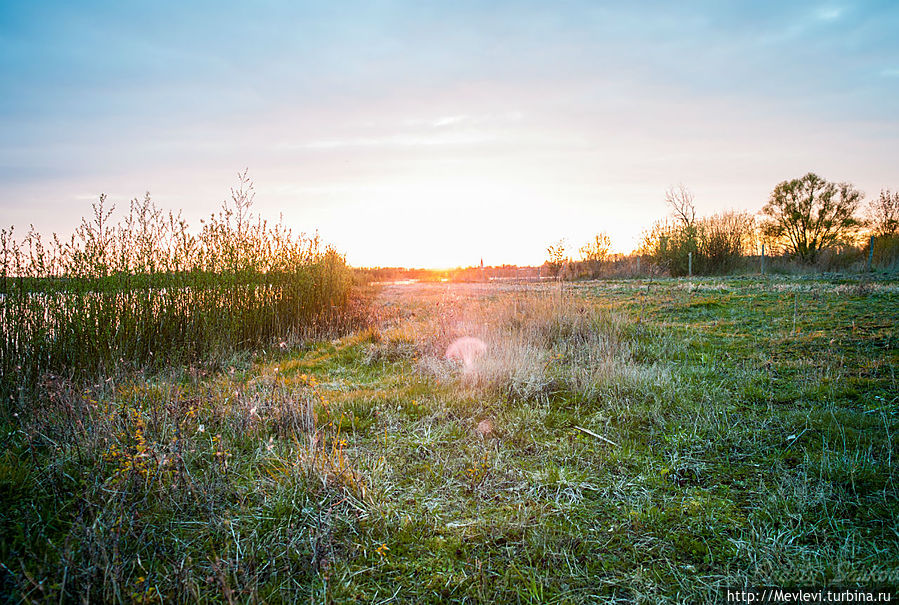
pixel 829 13
pixel 449 121
pixel 483 120
pixel 398 140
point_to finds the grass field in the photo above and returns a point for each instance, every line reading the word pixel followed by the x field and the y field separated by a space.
pixel 625 441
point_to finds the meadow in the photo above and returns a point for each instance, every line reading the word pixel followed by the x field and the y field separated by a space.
pixel 617 441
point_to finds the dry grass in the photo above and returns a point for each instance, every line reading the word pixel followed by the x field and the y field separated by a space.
pixel 536 344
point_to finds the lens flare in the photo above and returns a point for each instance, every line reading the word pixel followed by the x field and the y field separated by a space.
pixel 467 350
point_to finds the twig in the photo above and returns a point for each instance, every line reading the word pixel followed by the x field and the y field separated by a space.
pixel 600 437
pixel 794 438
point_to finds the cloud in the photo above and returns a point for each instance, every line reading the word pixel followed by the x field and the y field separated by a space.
pixel 449 121
pixel 829 13
pixel 466 119
pixel 398 140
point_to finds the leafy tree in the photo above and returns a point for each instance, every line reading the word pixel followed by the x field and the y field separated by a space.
pixel 883 217
pixel 884 214
pixel 594 252
pixel 556 256
pixel 810 214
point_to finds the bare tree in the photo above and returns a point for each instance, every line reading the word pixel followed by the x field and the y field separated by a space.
pixel 810 214
pixel 681 201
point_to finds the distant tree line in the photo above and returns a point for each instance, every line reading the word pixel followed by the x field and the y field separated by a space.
pixel 807 221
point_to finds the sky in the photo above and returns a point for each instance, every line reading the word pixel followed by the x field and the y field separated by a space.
pixel 438 134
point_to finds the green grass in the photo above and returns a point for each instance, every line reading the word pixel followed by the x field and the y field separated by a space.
pixel 753 420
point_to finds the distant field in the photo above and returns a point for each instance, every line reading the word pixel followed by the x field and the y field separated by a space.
pixel 629 441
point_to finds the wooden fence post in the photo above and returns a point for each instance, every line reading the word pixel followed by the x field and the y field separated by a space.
pixel 870 252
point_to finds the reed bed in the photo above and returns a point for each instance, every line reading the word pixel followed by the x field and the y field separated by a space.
pixel 145 291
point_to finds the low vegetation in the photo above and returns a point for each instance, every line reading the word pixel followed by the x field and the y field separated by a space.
pixel 145 292
pixel 631 441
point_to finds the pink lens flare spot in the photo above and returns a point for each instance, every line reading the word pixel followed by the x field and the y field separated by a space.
pixel 467 350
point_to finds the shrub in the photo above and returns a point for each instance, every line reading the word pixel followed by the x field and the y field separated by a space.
pixel 886 252
pixel 717 243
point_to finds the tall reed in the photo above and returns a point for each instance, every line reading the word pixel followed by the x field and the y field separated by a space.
pixel 146 291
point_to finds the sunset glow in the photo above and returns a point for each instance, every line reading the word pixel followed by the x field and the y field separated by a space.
pixel 443 135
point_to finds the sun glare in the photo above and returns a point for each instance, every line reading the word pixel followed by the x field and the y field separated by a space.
pixel 443 221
